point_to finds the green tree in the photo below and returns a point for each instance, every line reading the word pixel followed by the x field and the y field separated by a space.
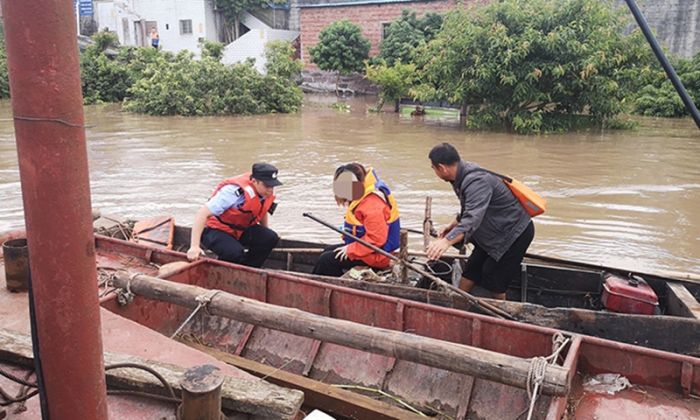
pixel 104 79
pixel 659 98
pixel 395 81
pixel 407 33
pixel 534 65
pixel 185 86
pixel 280 61
pixel 4 76
pixel 213 49
pixel 341 48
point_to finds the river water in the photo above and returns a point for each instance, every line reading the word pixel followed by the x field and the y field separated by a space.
pixel 621 198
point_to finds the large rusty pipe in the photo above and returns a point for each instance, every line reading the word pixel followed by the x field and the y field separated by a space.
pixel 47 107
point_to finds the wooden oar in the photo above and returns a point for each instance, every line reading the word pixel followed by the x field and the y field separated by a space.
pixel 485 307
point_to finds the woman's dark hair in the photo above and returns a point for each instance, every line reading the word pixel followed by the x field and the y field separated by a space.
pixel 444 154
pixel 355 168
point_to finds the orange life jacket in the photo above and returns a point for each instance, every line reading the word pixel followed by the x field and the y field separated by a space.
pixel 234 221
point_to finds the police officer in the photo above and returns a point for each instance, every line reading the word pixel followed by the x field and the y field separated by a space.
pixel 236 218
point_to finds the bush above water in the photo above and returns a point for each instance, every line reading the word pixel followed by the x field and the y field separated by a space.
pixel 161 83
pixel 660 99
pixel 4 79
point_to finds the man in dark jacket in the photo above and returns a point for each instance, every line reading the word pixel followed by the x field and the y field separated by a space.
pixel 490 217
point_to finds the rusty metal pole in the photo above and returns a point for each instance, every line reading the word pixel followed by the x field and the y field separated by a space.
pixel 201 393
pixel 47 107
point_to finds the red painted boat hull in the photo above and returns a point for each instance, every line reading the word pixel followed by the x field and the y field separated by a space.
pixel 668 377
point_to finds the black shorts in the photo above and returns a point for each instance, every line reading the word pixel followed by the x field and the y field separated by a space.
pixel 496 275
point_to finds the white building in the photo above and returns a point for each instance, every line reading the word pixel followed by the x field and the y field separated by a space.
pixel 252 43
pixel 181 24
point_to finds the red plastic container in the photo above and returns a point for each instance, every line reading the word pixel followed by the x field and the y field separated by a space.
pixel 629 295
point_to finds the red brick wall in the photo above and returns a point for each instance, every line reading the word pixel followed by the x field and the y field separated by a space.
pixel 369 17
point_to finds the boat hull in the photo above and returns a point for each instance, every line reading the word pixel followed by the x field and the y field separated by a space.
pixel 427 388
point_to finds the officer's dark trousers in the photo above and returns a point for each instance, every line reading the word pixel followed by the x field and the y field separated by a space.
pixel 258 239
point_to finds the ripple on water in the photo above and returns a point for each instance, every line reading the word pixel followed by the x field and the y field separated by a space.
pixel 617 197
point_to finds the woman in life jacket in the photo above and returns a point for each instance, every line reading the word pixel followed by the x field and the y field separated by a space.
pixel 372 215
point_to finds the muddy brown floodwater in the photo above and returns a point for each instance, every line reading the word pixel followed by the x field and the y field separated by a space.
pixel 621 198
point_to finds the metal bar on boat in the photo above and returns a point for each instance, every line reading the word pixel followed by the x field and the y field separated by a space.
pixel 486 308
pixel 459 358
pixel 47 107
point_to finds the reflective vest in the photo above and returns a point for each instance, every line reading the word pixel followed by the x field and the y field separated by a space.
pixel 373 185
pixel 234 221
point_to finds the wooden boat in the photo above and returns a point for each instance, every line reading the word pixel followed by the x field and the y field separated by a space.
pixel 326 360
pixel 551 293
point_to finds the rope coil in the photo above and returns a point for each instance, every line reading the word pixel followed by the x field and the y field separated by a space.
pixel 538 370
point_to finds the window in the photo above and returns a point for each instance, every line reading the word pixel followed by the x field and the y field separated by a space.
pixel 186 27
pixel 385 29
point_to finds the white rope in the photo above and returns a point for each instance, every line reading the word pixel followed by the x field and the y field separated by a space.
pixel 125 297
pixel 202 301
pixel 538 370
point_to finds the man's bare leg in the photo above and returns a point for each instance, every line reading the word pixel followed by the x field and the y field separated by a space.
pixel 466 284
pixel 501 296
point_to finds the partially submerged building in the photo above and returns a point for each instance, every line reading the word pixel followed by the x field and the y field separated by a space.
pixel 185 24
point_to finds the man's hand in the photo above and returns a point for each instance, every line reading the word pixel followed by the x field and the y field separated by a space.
pixel 341 253
pixel 437 248
pixel 446 229
pixel 194 253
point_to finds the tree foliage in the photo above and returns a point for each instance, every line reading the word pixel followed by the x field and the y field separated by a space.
pixel 213 49
pixel 534 65
pixel 4 76
pixel 341 47
pixel 660 99
pixel 185 86
pixel 104 79
pixel 280 61
pixel 395 81
pixel 405 34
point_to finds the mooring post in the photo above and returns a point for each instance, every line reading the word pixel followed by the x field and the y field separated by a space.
pixel 201 393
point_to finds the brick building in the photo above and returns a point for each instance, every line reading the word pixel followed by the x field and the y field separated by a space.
pixel 373 16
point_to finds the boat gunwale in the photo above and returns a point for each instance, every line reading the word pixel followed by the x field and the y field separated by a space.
pixel 546 331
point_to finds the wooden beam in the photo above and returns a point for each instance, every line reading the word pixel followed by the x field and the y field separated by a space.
pixel 403 254
pixel 316 394
pixel 258 398
pixel 681 302
pixel 427 222
pixel 459 358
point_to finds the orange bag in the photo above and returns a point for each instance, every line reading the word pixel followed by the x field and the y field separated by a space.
pixel 532 202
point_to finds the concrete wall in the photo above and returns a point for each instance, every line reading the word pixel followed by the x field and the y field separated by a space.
pixel 675 22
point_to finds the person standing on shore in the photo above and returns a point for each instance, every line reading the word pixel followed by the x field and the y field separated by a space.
pixel 155 38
